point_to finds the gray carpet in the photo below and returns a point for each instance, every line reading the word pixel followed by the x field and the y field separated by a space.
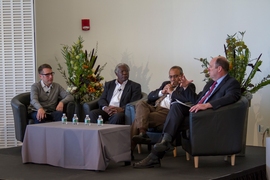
pixel 12 168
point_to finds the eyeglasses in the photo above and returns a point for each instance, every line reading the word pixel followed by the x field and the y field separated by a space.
pixel 173 76
pixel 48 74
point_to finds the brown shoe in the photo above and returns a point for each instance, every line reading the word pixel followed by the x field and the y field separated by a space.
pixel 141 139
pixel 147 162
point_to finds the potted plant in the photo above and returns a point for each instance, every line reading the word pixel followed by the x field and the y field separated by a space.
pixel 82 79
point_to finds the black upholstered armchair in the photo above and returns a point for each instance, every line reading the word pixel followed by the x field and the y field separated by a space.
pixel 20 104
pixel 216 132
pixel 129 111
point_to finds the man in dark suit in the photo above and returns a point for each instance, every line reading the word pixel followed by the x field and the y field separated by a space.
pixel 220 91
pixel 117 93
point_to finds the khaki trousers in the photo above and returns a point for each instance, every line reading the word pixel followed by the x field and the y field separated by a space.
pixel 147 116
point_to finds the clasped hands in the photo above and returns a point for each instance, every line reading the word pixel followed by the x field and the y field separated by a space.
pixel 111 110
pixel 41 113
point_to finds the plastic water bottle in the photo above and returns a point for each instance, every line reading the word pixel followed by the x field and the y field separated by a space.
pixel 87 120
pixel 75 120
pixel 100 121
pixel 64 119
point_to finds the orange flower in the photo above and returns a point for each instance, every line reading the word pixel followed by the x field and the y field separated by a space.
pixel 85 66
pixel 230 66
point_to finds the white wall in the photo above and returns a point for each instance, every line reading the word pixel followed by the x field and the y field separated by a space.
pixel 153 35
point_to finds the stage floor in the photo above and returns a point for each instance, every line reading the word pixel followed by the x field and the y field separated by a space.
pixel 213 167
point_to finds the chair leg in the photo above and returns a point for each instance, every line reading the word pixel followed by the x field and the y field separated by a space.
pixel 174 152
pixel 139 146
pixel 225 158
pixel 233 159
pixel 187 156
pixel 196 161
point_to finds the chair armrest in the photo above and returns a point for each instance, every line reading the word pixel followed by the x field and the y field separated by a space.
pixel 130 109
pixel 19 106
pixel 88 106
pixel 213 131
pixel 69 109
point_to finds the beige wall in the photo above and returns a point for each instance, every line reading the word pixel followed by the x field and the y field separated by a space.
pixel 153 35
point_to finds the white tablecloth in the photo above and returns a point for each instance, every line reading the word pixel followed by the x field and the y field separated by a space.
pixel 76 146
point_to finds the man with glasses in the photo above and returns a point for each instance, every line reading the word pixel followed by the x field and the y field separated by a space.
pixel 152 114
pixel 44 97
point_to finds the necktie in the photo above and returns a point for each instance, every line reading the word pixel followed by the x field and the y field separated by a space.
pixel 208 93
pixel 159 100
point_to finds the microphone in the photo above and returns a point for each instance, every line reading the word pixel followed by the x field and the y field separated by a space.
pixel 119 89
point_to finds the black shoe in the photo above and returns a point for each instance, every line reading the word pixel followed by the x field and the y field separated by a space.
pixel 141 139
pixel 163 146
pixel 147 162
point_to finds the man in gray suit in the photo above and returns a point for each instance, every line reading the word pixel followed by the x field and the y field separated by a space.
pixel 220 91
pixel 117 93
pixel 44 105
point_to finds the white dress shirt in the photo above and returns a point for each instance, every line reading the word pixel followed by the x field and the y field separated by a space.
pixel 117 93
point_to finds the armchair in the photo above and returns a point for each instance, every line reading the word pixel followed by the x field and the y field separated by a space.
pixel 129 112
pixel 20 104
pixel 216 132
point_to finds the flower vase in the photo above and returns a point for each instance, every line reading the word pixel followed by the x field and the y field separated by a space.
pixel 79 111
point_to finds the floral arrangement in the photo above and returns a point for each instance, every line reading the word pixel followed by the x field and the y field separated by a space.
pixel 83 81
pixel 238 55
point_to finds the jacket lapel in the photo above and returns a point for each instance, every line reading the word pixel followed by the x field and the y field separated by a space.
pixel 220 85
pixel 111 90
pixel 125 92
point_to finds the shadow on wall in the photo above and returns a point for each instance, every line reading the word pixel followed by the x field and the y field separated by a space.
pixel 137 74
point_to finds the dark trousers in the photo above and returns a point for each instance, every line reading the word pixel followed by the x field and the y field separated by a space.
pixel 118 118
pixel 174 122
pixel 53 116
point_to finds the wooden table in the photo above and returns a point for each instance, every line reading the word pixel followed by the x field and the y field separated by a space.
pixel 76 146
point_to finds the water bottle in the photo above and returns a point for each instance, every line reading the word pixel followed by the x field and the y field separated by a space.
pixel 64 119
pixel 87 120
pixel 75 119
pixel 100 121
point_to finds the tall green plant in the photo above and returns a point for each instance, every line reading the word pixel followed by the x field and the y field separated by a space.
pixel 238 55
pixel 83 80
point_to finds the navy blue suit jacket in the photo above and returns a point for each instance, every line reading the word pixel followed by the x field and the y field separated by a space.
pixel 132 92
pixel 227 92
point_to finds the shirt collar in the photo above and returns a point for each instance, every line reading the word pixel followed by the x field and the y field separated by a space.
pixel 123 84
pixel 44 86
pixel 220 79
